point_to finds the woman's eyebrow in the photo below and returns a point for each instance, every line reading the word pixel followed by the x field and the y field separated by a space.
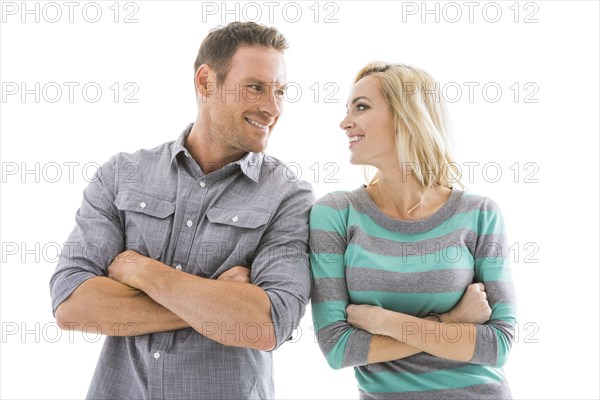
pixel 358 98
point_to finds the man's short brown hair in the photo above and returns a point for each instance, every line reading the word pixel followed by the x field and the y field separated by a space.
pixel 220 44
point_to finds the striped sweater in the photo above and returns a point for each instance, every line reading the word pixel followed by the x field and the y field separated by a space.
pixel 361 256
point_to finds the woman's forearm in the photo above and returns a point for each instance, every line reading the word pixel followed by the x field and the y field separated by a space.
pixel 386 348
pixel 452 341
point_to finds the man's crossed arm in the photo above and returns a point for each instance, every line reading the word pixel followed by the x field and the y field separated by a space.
pixel 142 295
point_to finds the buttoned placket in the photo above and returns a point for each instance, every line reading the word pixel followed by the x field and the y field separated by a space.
pixel 157 357
pixel 195 195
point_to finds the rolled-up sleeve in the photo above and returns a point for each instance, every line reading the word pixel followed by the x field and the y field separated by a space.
pixel 492 267
pixel 94 242
pixel 281 266
pixel 342 344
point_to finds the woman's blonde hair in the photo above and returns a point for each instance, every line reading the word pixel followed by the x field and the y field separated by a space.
pixel 420 123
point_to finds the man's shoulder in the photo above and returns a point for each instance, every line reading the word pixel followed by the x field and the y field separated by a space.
pixel 161 152
pixel 271 164
pixel 285 177
pixel 137 169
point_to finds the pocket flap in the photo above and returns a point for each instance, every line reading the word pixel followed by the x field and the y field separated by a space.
pixel 128 200
pixel 242 218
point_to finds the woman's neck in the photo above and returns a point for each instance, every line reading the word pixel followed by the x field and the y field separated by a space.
pixel 402 196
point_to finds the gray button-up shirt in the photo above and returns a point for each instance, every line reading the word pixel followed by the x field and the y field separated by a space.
pixel 253 212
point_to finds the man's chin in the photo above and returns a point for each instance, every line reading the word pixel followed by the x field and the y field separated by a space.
pixel 258 147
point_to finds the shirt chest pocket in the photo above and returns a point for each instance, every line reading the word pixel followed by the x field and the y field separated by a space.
pixel 148 222
pixel 228 224
pixel 233 235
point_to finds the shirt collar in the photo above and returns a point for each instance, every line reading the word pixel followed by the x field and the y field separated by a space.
pixel 250 164
pixel 178 146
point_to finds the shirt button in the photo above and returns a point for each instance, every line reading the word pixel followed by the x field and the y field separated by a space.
pixel 178 267
pixel 189 223
pixel 235 218
pixel 157 355
pixel 202 183
pixel 143 205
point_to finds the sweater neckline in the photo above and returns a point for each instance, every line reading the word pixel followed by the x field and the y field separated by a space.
pixel 440 216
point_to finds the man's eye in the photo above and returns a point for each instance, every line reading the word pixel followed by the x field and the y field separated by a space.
pixel 280 93
pixel 257 88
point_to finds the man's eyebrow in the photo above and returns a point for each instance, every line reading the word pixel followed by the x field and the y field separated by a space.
pixel 261 82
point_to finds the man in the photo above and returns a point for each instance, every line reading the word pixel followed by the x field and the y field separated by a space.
pixel 192 257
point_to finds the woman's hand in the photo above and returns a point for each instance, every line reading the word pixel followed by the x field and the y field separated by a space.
pixel 473 307
pixel 366 317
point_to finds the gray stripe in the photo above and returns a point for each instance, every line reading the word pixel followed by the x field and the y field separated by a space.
pixel 421 363
pixel 500 292
pixel 475 202
pixel 368 279
pixel 329 289
pixel 357 349
pixel 492 245
pixel 329 336
pixel 492 391
pixel 326 242
pixel 486 346
pixel 490 335
pixel 363 203
pixel 393 248
pixel 333 200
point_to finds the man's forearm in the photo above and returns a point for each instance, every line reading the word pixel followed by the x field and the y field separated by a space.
pixel 116 309
pixel 231 313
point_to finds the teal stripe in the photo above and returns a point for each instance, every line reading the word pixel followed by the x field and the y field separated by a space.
pixel 327 265
pixel 497 270
pixel 390 382
pixel 488 268
pixel 327 219
pixel 408 303
pixel 323 217
pixel 469 220
pixel 328 312
pixel 455 257
pixel 504 311
pixel 335 357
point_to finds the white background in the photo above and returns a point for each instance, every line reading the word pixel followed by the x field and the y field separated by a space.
pixel 551 206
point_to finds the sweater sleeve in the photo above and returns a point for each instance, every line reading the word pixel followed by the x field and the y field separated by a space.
pixel 492 267
pixel 341 343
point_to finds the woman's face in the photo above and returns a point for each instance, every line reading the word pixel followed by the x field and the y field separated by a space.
pixel 369 125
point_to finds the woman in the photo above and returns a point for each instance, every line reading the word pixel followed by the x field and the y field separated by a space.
pixel 389 259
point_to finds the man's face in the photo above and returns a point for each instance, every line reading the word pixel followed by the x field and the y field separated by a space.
pixel 245 108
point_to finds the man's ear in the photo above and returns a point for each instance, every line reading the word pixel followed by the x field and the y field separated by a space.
pixel 205 81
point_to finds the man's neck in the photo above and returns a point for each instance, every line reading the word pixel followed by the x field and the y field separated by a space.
pixel 208 153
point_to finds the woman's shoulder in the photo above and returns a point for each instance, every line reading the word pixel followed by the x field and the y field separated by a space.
pixel 472 201
pixel 339 200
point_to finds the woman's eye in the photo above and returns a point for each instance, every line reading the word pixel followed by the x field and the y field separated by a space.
pixel 361 107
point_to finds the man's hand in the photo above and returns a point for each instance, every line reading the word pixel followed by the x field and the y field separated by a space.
pixel 236 274
pixel 126 265
pixel 366 317
pixel 473 307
